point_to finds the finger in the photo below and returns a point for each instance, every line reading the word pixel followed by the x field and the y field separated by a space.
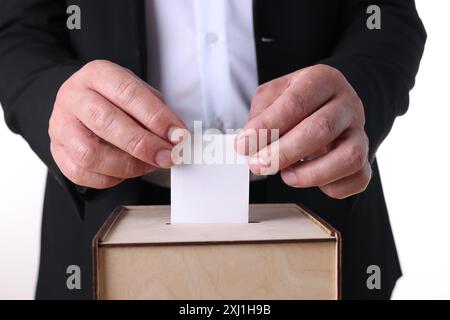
pixel 312 134
pixel 349 186
pixel 318 153
pixel 267 93
pixel 78 175
pixel 307 91
pixel 114 126
pixel 348 157
pixel 92 154
pixel 135 97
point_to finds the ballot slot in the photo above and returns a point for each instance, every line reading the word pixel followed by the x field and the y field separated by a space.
pixel 151 224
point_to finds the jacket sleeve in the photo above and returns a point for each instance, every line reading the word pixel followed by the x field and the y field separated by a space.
pixel 380 64
pixel 35 59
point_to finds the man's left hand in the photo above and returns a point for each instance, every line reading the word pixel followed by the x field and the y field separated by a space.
pixel 320 119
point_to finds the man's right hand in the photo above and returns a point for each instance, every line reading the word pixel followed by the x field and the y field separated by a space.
pixel 108 125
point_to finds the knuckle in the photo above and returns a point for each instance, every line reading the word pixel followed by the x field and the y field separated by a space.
pixel 359 184
pixel 127 91
pixel 63 91
pixel 322 68
pixel 154 118
pixel 263 123
pixel 127 70
pixel 284 158
pixel 85 155
pixel 330 71
pixel 100 117
pixel 309 84
pixel 130 168
pixel 137 145
pixel 75 174
pixel 356 156
pixel 57 129
pixel 334 73
pixel 261 89
pixel 94 65
pixel 323 127
pixel 298 104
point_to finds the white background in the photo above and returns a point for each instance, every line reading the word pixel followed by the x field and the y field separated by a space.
pixel 413 160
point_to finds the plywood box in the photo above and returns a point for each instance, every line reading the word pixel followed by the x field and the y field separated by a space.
pixel 284 253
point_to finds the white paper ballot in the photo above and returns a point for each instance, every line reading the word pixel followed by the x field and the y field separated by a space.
pixel 213 186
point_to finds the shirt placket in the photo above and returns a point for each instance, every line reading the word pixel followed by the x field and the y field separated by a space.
pixel 214 62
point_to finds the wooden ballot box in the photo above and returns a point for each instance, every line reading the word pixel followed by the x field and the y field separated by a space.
pixel 284 252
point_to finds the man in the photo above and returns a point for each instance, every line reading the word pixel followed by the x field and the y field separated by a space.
pixel 87 101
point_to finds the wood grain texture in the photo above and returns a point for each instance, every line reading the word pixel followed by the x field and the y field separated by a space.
pixel 239 271
pixel 273 222
pixel 289 254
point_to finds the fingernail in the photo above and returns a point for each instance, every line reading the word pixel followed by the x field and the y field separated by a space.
pixel 289 177
pixel 164 158
pixel 176 134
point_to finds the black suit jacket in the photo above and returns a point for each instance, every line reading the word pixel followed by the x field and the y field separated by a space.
pixel 38 53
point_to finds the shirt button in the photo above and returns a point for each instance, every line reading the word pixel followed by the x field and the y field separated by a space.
pixel 211 38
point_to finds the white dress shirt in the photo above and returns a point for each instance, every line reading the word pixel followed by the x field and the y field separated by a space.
pixel 201 57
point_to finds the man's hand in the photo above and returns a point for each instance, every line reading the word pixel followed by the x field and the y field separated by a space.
pixel 108 125
pixel 321 121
